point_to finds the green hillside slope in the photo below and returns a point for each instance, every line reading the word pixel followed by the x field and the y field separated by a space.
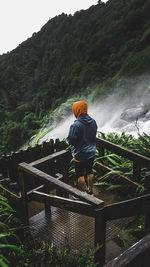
pixel 69 55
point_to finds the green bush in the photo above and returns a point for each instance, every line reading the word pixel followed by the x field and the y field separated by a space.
pixel 121 166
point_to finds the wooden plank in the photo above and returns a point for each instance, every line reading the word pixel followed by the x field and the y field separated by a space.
pixel 127 208
pixel 44 189
pixel 123 179
pixel 40 187
pixel 45 178
pixel 137 255
pixel 48 158
pixel 11 194
pixel 64 203
pixel 126 153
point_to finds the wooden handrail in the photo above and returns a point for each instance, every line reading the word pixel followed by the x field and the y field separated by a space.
pixel 127 208
pixel 106 169
pixel 48 158
pixel 45 178
pixel 64 203
pixel 136 255
pixel 126 153
pixel 86 204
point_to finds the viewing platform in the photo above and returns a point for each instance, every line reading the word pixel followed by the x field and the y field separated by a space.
pixel 36 182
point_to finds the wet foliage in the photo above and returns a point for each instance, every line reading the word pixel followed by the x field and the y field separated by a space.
pixel 121 168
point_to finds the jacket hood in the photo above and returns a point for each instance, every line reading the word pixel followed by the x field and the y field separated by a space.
pixel 79 107
pixel 85 119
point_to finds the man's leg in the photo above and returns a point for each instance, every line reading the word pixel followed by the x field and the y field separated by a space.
pixel 81 183
pixel 79 169
pixel 90 182
pixel 90 175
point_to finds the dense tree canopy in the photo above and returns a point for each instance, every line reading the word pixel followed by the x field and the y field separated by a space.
pixel 65 57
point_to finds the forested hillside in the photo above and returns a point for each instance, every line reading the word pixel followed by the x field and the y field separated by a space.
pixel 94 49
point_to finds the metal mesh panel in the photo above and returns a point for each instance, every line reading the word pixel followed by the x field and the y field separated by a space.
pixel 64 228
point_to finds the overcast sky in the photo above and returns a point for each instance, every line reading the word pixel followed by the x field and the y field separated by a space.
pixel 19 19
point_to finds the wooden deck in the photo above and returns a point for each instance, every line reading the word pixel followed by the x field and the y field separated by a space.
pixel 80 224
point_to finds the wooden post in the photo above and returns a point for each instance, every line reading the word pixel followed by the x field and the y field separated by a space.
pixel 24 197
pixel 47 191
pixel 136 171
pixel 46 148
pixel 62 165
pixel 57 144
pixel 47 208
pixel 56 169
pixel 13 167
pixel 66 170
pixel 147 182
pixel 50 168
pixel 101 151
pixel 51 146
pixel 59 164
pixel 100 233
pixel 3 166
pixel 17 160
pixel 147 213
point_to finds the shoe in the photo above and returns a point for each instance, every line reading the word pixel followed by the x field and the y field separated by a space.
pixel 90 193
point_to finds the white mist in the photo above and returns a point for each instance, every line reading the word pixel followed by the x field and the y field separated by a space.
pixel 108 117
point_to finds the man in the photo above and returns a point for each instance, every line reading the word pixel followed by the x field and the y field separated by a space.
pixel 82 138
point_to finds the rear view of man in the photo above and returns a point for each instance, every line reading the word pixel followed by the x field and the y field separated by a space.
pixel 82 138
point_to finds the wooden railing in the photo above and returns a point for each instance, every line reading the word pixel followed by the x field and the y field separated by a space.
pixel 136 256
pixel 87 204
pixel 9 164
pixel 138 160
pixel 35 170
pixel 135 206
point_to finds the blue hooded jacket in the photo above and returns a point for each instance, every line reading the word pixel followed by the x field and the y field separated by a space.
pixel 82 138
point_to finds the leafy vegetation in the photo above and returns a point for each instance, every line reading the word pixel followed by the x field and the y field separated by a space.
pixel 9 241
pixel 42 254
pixel 92 51
pixel 121 167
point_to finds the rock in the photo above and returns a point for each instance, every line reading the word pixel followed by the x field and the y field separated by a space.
pixel 147 115
pixel 117 245
pixel 112 250
pixel 133 114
